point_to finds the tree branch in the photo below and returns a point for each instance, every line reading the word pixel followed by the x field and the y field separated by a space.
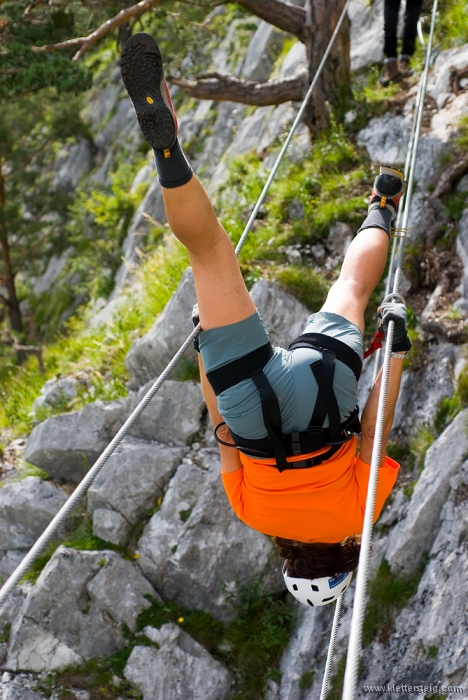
pixel 5 301
pixel 85 42
pixel 222 87
pixel 290 18
pixel 31 6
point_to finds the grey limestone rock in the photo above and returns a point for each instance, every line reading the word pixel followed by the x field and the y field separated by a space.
pixel 72 163
pixel 416 533
pixel 284 316
pixel 110 526
pixel 181 669
pixel 386 138
pixel 366 23
pixel 422 390
pixel 150 354
pixel 119 589
pixel 439 84
pixel 259 58
pixel 173 415
pixel 11 606
pixel 14 692
pixel 26 508
pixel 151 208
pixel 66 446
pixel 134 478
pixel 54 267
pixel 76 609
pixel 194 549
pixel 55 391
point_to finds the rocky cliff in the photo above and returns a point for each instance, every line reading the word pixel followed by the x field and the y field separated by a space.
pixel 161 581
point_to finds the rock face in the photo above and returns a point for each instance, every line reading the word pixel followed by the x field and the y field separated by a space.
pixel 98 591
pixel 150 355
pixel 194 549
pixel 179 668
pixel 284 316
pixel 173 415
pixel 66 446
pixel 129 486
pixel 26 508
pixel 415 534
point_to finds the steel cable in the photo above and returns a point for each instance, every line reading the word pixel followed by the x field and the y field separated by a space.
pixel 81 489
pixel 355 638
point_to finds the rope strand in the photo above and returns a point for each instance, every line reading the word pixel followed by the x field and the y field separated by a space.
pixel 355 637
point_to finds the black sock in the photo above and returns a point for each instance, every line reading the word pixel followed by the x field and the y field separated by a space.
pixel 173 168
pixel 378 218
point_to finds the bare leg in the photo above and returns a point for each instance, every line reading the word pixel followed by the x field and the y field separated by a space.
pixel 362 269
pixel 221 292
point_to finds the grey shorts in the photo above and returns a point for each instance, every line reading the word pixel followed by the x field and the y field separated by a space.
pixel 289 373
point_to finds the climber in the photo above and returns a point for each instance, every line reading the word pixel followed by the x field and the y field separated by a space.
pixel 394 69
pixel 285 419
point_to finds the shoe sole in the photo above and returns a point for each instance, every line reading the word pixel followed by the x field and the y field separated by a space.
pixel 143 77
pixel 385 82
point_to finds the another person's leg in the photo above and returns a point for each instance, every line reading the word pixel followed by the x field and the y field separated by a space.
pixel 390 72
pixel 222 296
pixel 412 12
pixel 366 257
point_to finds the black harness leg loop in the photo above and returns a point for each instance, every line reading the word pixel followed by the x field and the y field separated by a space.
pixel 271 416
pixel 324 371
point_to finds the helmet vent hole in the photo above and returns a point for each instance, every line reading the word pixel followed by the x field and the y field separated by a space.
pixel 314 587
pixel 326 600
pixel 295 588
pixel 310 603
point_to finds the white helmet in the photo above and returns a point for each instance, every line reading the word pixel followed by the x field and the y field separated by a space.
pixel 317 591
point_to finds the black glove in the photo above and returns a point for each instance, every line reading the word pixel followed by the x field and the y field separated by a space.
pixel 196 321
pixel 396 312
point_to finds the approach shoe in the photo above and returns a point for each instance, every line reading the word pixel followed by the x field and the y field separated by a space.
pixel 389 187
pixel 391 72
pixel 143 77
pixel 404 66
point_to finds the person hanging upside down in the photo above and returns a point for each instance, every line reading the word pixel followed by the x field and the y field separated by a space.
pixel 285 420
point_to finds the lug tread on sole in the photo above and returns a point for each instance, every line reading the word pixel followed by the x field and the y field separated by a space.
pixel 142 72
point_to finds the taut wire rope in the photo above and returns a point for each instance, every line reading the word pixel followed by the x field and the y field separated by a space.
pixel 331 649
pixel 355 637
pixel 52 529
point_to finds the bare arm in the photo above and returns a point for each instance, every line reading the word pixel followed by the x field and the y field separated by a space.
pixel 230 460
pixel 369 414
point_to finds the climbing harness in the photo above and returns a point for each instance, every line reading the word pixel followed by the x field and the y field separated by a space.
pixel 316 437
pixel 355 637
pixel 363 571
pixel 81 489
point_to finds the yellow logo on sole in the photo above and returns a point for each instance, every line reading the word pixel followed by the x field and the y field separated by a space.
pixel 149 100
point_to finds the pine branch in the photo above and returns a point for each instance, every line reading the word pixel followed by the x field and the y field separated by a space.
pixel 280 13
pixel 223 87
pixel 85 42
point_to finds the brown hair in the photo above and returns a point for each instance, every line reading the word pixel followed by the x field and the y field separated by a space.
pixel 318 559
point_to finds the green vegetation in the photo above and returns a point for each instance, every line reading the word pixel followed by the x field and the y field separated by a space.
pixel 387 595
pixel 250 646
pixel 337 681
pixel 99 352
pixel 452 25
pixel 305 284
pixel 5 633
pixel 80 536
pixel 306 680
pixel 432 652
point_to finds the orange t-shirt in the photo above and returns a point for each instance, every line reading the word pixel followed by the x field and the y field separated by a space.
pixel 321 504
